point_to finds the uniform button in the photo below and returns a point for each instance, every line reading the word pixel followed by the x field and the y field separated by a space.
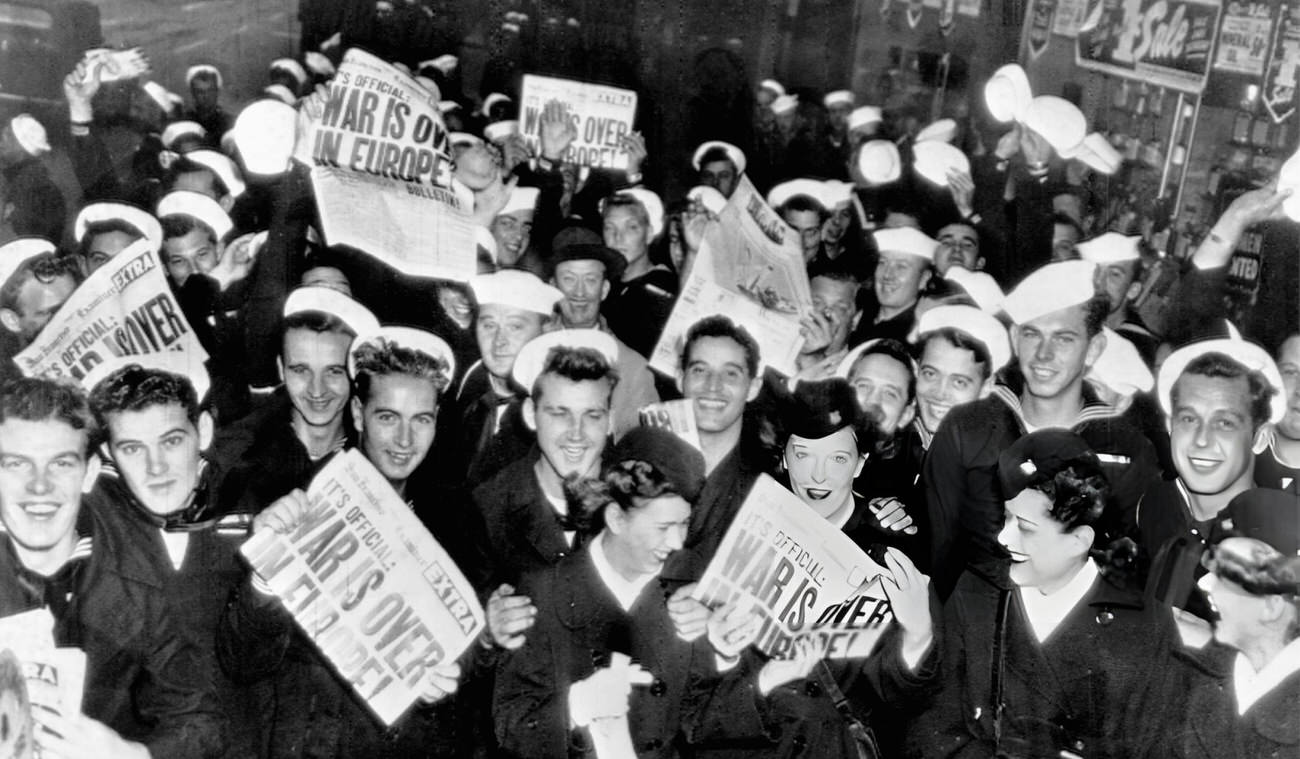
pixel 653 744
pixel 1105 617
pixel 658 687
pixel 813 690
pixel 532 724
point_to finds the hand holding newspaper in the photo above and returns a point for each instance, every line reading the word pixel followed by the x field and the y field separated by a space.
pixel 369 586
pixel 35 675
pixel 803 575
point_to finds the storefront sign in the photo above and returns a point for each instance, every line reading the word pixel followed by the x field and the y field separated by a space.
pixel 1244 38
pixel 1165 43
pixel 1280 78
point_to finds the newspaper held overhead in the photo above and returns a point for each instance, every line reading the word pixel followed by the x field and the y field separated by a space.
pixel 805 577
pixel 602 115
pixel 124 308
pixel 382 173
pixel 36 674
pixel 369 585
pixel 750 268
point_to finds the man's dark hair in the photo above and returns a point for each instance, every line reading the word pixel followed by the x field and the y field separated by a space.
pixel 135 388
pixel 45 268
pixel 721 326
pixel 958 339
pixel 1095 312
pixel 575 365
pixel 1078 493
pixel 316 321
pixel 716 153
pixel 379 358
pixel 181 224
pixel 897 351
pixel 183 165
pixel 104 227
pixel 620 200
pixel 1222 365
pixel 804 203
pixel 35 399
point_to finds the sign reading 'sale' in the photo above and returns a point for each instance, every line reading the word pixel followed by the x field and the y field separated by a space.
pixel 1166 43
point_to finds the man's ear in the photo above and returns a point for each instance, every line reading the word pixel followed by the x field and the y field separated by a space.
pixel 1134 290
pixel 227 202
pixel 853 323
pixel 1096 344
pixel 530 414
pixel 10 320
pixel 755 385
pixel 909 413
pixel 279 368
pixel 980 263
pixel 206 429
pixel 93 465
pixel 925 279
pixel 987 387
pixel 604 290
pixel 357 417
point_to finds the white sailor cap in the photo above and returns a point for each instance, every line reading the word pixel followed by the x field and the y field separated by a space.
pixel 180 363
pixel 143 221
pixel 280 93
pixel 980 286
pixel 444 63
pixel 838 97
pixel 1110 248
pixel 520 199
pixel 906 240
pixel 327 300
pixel 15 253
pixel 836 193
pixel 202 69
pixel 942 130
pixel 812 188
pixel 1051 287
pixel 404 337
pixel 1248 354
pixel 934 160
pixel 498 131
pixel 712 200
pixel 865 115
pixel 785 104
pixel 447 106
pixel 654 207
pixel 222 166
pixel 318 63
pixel 492 99
pixel 1120 367
pixel 198 206
pixel 515 288
pixel 734 154
pixel 290 67
pixel 879 162
pixel 178 129
pixel 974 322
pixel 30 134
pixel 265 133
pixel 773 86
pixel 531 359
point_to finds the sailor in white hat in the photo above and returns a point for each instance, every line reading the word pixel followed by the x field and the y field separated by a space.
pixel 496 106
pixel 961 349
pixel 205 82
pixel 768 90
pixel 195 228
pixel 864 123
pixel 1119 372
pixel 904 265
pixel 1119 274
pixel 512 227
pixel 34 283
pixel 803 205
pixel 264 136
pixel 639 306
pixel 839 104
pixel 719 165
pixel 290 73
pixel 207 172
pixel 106 228
pixel 37 204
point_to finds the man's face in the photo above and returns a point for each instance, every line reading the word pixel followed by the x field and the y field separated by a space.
pixel 837 301
pixel 315 369
pixel 836 225
pixel 1043 555
pixel 511 232
pixel 38 302
pixel 626 231
pixel 643 538
pixel 42 473
pixel 584 286
pixel 502 332
pixel 455 302
pixel 717 380
pixel 899 278
pixel 720 175
pixel 839 116
pixel 1288 362
pixel 1115 280
pixel 204 91
pixel 880 383
pixel 104 246
pixel 822 469
pixel 946 376
pixel 327 276
pixel 959 245
pixel 192 253
pixel 1054 351
pixel 1210 433
pixel 157 451
pixel 397 423
pixel 572 423
pixel 809 226
pixel 1064 238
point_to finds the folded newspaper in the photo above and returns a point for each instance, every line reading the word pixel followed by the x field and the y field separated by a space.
pixel 804 576
pixel 35 674
pixel 369 585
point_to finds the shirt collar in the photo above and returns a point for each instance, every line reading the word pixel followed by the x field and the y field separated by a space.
pixel 1046 612
pixel 1250 686
pixel 625 591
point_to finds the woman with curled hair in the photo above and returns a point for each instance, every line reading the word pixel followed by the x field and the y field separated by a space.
pixel 1058 657
pixel 603 647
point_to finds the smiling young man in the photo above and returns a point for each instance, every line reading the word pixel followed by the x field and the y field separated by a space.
pixel 145 692
pixel 1057 318
pixel 904 266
